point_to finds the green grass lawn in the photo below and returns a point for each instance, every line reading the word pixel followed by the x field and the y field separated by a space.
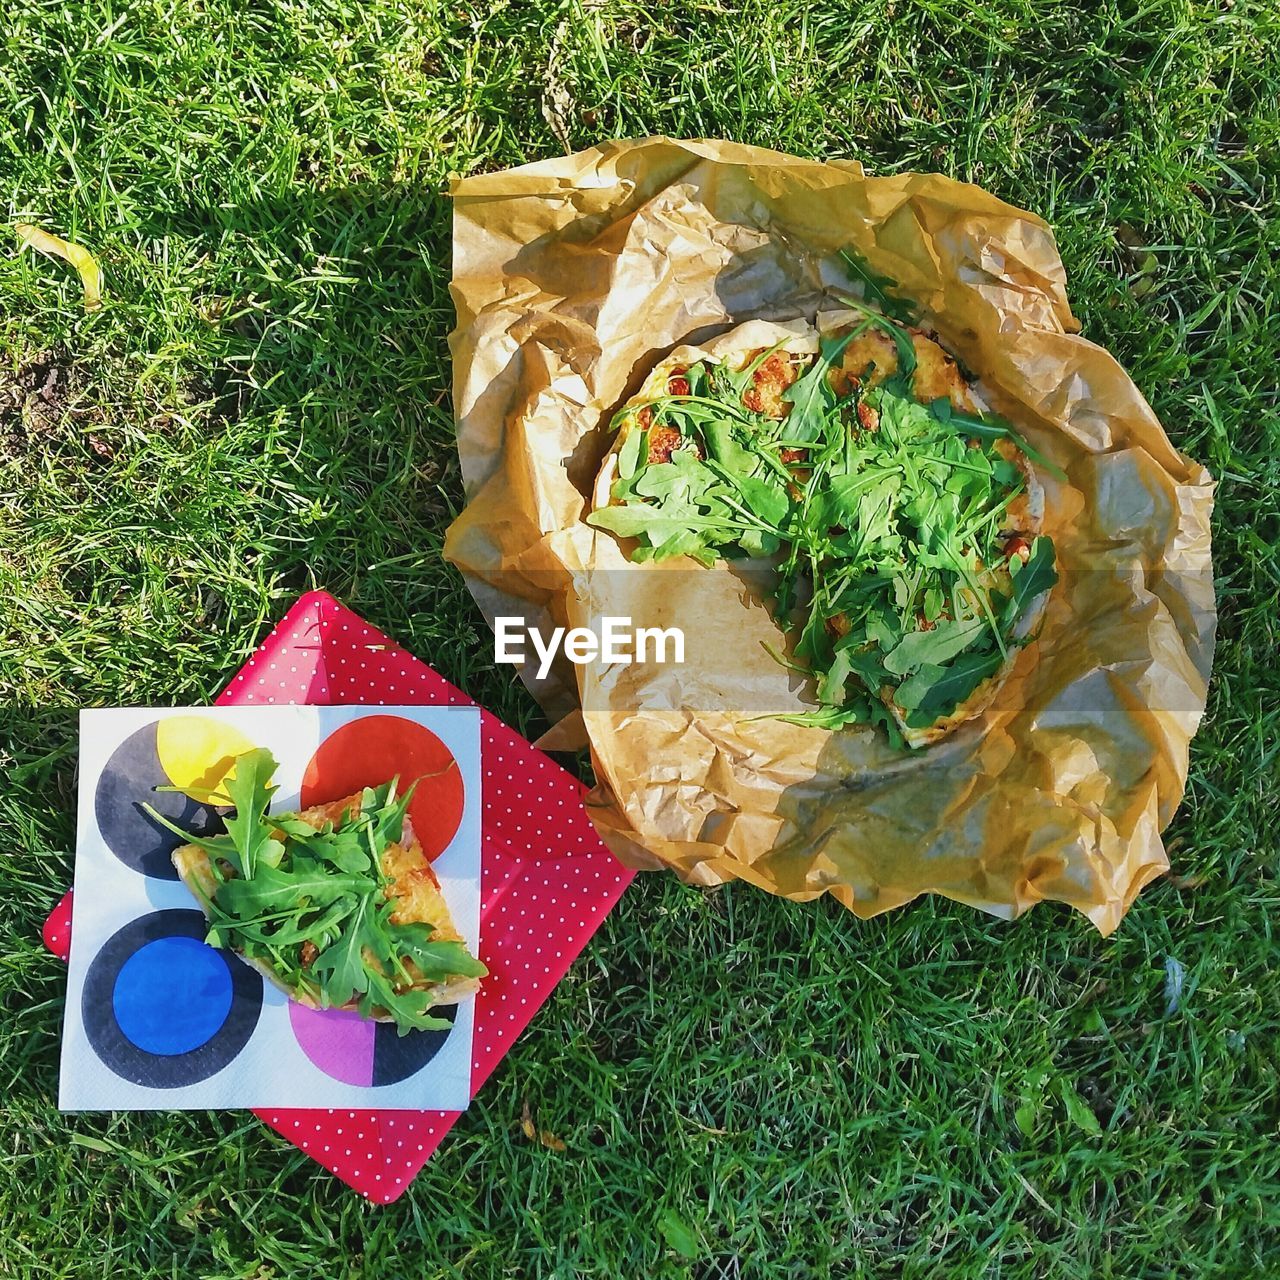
pixel 745 1087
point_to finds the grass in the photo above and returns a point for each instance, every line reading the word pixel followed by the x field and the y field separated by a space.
pixel 746 1087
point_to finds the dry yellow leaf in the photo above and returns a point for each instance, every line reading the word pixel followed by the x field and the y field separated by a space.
pixel 77 255
pixel 530 1130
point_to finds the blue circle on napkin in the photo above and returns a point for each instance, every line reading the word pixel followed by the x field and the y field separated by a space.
pixel 164 1010
pixel 172 995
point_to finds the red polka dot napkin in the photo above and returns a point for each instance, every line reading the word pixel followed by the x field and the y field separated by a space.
pixel 548 881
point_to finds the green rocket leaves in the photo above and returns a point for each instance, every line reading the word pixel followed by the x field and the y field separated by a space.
pixel 313 903
pixel 886 515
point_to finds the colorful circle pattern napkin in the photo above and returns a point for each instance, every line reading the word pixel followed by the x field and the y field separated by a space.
pixel 548 881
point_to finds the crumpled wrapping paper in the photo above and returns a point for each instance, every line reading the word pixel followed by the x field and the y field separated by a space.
pixel 572 277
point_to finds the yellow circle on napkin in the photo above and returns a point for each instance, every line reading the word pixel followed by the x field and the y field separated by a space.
pixel 198 753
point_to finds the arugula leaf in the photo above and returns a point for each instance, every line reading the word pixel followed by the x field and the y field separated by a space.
pixel 935 647
pixel 901 338
pixel 735 382
pixel 629 454
pixel 914 690
pixel 272 889
pixel 831 681
pixel 656 523
pixel 341 967
pixel 319 928
pixel 900 415
pixel 677 483
pixel 812 396
pixel 877 288
pixel 343 848
pixel 884 628
pixel 839 502
pixel 436 960
pixel 219 846
pixel 1029 581
pixel 856 712
pixel 765 497
pixel 387 812
pixel 249 789
pixel 992 427
pixel 412 1009
pixel 934 692
pixel 863 711
pixel 723 446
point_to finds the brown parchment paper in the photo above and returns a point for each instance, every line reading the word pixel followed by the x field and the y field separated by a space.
pixel 572 277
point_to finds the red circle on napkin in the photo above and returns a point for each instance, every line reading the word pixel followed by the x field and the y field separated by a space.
pixel 375 749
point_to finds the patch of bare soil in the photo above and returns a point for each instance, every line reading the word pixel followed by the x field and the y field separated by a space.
pixel 37 397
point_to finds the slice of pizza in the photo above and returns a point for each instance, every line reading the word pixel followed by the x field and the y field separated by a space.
pixel 337 905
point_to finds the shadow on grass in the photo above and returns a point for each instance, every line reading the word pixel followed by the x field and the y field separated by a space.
pixel 330 341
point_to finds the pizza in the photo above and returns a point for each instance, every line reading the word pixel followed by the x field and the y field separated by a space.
pixel 904 521
pixel 337 905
